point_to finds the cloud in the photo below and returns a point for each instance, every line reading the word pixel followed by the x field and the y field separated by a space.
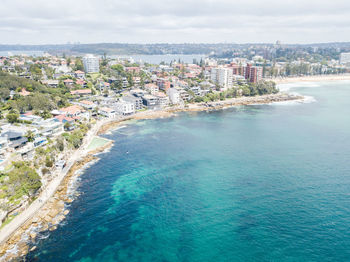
pixel 140 21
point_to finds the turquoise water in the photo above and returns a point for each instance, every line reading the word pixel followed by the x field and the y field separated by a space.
pixel 253 183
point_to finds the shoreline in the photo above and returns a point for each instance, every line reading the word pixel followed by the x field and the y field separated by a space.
pixel 314 78
pixel 17 238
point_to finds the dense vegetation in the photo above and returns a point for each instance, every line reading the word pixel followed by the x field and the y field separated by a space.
pixel 41 97
pixel 21 180
pixel 251 89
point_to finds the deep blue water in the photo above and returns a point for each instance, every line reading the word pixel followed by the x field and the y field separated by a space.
pixel 252 183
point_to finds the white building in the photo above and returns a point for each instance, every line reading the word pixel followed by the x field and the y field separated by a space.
pixel 222 76
pixel 174 96
pixel 125 108
pixel 151 88
pixel 345 58
pixel 163 99
pixel 137 101
pixel 91 64
pixel 107 112
pixel 51 127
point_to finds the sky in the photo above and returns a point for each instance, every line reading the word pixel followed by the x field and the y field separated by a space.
pixel 173 21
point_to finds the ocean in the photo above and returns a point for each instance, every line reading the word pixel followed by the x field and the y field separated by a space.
pixel 250 183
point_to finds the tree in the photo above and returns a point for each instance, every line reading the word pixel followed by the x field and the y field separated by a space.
pixel 79 64
pixel 23 180
pixel 222 96
pixel 45 114
pixel 67 126
pixel 12 117
pixel 36 71
pixel 118 68
pixel 30 136
pixel 60 144
pixel 48 161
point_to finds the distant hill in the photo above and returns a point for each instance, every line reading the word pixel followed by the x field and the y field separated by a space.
pixel 155 49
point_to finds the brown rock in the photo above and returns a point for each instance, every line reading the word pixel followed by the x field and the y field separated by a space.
pixel 47 218
pixel 33 235
pixel 3 249
pixel 35 220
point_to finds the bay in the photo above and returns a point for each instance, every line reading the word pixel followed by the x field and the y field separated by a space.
pixel 250 183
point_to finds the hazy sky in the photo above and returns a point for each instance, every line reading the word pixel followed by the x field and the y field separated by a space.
pixel 174 21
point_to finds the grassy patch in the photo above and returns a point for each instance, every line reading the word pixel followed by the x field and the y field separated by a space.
pixel 7 221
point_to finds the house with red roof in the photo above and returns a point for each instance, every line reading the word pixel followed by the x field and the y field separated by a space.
pixel 72 111
pixel 104 85
pixel 81 92
pixel 76 112
pixel 24 92
pixel 151 88
pixel 133 69
pixel 80 82
pixel 68 82
pixel 79 74
pixel 86 104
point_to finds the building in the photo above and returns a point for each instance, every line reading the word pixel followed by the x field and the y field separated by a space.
pixel 51 83
pixel 125 108
pixel 163 99
pixel 163 84
pixel 15 139
pixel 91 64
pixel 24 92
pixel 222 76
pixel 51 127
pixel 137 101
pixel 65 119
pixel 40 141
pixel 151 88
pixel 133 69
pixel 150 101
pixel 76 112
pixel 104 86
pixel 79 74
pixel 253 73
pixel 68 82
pixel 137 92
pixel 107 112
pixel 174 96
pixel 256 73
pixel 345 58
pixel 81 92
pixel 81 83
pixel 86 104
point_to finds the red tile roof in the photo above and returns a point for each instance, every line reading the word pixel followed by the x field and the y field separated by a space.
pixel 81 92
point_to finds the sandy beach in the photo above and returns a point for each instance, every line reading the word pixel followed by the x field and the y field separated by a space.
pixel 315 78
pixel 48 210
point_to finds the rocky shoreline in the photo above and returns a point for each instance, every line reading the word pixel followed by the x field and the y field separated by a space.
pixel 47 219
pixel 55 209
pixel 217 105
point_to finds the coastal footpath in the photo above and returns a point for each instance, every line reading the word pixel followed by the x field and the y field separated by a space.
pixel 18 237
